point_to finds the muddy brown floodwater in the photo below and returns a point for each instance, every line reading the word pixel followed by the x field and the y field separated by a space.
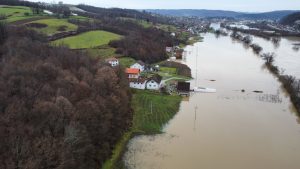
pixel 229 129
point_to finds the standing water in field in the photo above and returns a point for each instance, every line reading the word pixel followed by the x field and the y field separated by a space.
pixel 234 128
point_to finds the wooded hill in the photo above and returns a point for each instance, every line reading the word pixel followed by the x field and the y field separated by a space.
pixel 58 108
pixel 290 19
pixel 140 43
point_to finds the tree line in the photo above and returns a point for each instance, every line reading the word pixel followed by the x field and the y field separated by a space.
pixel 58 108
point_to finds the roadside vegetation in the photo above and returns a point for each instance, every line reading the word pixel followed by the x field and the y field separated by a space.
pixel 88 39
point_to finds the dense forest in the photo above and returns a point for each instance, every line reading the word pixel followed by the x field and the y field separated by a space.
pixel 58 108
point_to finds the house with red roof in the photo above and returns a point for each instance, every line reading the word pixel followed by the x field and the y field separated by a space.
pixel 132 73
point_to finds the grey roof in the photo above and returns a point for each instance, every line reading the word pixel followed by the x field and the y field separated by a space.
pixel 157 78
pixel 141 62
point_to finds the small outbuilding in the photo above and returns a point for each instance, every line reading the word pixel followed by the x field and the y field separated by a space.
pixel 183 88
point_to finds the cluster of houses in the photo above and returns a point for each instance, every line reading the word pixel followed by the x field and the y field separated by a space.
pixel 135 78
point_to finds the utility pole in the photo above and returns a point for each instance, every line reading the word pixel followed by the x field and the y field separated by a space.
pixel 195 117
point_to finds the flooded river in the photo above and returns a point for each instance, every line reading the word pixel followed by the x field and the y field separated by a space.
pixel 229 129
pixel 286 57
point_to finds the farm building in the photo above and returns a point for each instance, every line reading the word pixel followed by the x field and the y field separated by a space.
pixel 132 73
pixel 112 61
pixel 139 65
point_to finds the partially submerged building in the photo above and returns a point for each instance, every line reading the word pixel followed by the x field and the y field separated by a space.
pixel 183 88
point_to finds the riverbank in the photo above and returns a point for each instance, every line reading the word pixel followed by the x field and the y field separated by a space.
pixel 152 110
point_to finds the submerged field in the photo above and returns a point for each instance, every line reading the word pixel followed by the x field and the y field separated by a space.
pixel 145 121
pixel 153 110
pixel 88 39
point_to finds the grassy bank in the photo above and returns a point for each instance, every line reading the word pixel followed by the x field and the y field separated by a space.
pixel 145 121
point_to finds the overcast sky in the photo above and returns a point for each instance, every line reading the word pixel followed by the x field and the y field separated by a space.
pixel 235 5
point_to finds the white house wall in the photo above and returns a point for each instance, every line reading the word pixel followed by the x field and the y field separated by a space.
pixel 152 85
pixel 137 85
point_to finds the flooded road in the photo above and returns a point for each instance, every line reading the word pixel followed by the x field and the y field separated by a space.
pixel 229 129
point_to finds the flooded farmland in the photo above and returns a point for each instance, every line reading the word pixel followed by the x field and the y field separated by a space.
pixel 229 129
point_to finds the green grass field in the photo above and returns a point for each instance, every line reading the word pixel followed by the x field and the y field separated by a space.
pixel 169 70
pixel 88 39
pixel 126 61
pixel 53 26
pixel 164 107
pixel 16 13
pixel 101 52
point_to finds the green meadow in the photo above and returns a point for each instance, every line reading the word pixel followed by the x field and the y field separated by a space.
pixel 53 26
pixel 88 39
pixel 16 13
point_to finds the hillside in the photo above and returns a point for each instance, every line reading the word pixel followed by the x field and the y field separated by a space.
pixel 195 12
pixel 274 15
pixel 59 108
pixel 290 19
